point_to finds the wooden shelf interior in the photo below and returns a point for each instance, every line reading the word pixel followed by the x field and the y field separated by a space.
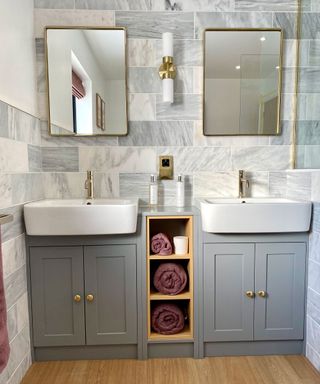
pixel 172 226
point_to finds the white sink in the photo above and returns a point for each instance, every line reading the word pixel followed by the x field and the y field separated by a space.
pixel 254 215
pixel 81 217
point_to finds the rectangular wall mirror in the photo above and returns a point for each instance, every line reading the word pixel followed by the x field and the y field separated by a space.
pixel 242 81
pixel 87 81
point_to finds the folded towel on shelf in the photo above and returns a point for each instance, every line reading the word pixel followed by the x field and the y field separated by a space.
pixel 4 340
pixel 170 278
pixel 167 319
pixel 161 245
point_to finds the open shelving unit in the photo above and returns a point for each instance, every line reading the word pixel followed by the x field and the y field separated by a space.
pixel 172 226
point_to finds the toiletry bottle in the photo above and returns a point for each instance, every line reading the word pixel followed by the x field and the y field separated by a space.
pixel 153 191
pixel 180 192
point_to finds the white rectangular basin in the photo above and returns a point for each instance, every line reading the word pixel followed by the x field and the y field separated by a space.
pixel 81 217
pixel 255 215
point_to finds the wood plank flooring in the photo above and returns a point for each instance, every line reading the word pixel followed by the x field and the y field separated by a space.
pixel 217 370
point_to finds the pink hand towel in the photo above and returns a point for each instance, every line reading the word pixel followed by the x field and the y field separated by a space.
pixel 161 245
pixel 4 339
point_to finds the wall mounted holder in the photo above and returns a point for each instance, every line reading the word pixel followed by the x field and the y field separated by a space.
pixel 4 219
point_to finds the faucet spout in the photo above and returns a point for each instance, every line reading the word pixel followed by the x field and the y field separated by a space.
pixel 88 185
pixel 243 184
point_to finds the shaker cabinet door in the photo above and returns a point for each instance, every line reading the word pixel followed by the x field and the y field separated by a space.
pixel 228 278
pixel 111 294
pixel 57 296
pixel 280 288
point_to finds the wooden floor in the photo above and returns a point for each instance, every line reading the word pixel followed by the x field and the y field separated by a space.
pixel 217 370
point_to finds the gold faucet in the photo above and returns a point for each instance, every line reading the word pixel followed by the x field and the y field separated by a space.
pixel 88 185
pixel 243 184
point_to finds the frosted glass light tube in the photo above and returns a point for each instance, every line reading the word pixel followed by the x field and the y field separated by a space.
pixel 167 44
pixel 167 90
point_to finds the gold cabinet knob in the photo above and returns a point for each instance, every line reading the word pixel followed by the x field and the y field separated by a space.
pixel 262 293
pixel 250 294
pixel 90 298
pixel 77 298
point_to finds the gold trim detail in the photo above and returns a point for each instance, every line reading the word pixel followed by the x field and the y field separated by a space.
pixel 278 130
pixel 167 69
pixel 47 75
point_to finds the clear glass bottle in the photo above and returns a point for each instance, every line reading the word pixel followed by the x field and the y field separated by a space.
pixel 153 191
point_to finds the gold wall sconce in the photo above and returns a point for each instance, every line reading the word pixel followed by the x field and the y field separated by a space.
pixel 167 70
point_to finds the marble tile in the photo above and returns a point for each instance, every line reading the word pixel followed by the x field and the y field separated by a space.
pixel 313 298
pixel 147 80
pixel 314 244
pixel 198 159
pixel 315 6
pixel 142 53
pixel 192 5
pixel 304 57
pixel 184 107
pixel 215 184
pixel 287 22
pixel 125 5
pixel 316 218
pixel 15 228
pixel 24 127
pixel 4 119
pixel 21 370
pixel 64 185
pixel 277 184
pixel 35 158
pixel 142 107
pixel 288 80
pixel 67 4
pixel 263 158
pixel 118 159
pixel 26 187
pixel 312 158
pixel 314 53
pixel 106 185
pixel 266 5
pixel 168 191
pixel 313 334
pixel 159 133
pixel 299 185
pixel 224 141
pixel 152 24
pixel 13 255
pixel 5 190
pixel 287 106
pixel 9 161
pixel 289 53
pixel 309 80
pixel 285 137
pixel 60 159
pixel 313 356
pixel 92 18
pixel 18 316
pixel 308 132
pixel 15 286
pixel 258 184
pixel 315 192
pixel 198 80
pixel 231 20
pixel 310 25
pixel 314 276
pixel 186 52
pixel 19 350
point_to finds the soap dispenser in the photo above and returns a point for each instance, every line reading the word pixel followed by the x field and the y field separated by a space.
pixel 153 191
pixel 180 192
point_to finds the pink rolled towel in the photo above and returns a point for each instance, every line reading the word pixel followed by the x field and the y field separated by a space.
pixel 4 340
pixel 170 278
pixel 167 319
pixel 161 245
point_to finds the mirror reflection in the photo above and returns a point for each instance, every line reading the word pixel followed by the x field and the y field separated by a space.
pixel 242 81
pixel 87 81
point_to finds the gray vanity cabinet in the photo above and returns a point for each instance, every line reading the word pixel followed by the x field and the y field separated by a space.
pixel 228 273
pixel 254 291
pixel 57 277
pixel 84 295
pixel 110 279
pixel 280 273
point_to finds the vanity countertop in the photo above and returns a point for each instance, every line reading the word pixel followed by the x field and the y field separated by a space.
pixel 161 210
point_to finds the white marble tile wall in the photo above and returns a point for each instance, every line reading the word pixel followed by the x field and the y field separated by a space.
pixel 20 182
pixel 156 128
